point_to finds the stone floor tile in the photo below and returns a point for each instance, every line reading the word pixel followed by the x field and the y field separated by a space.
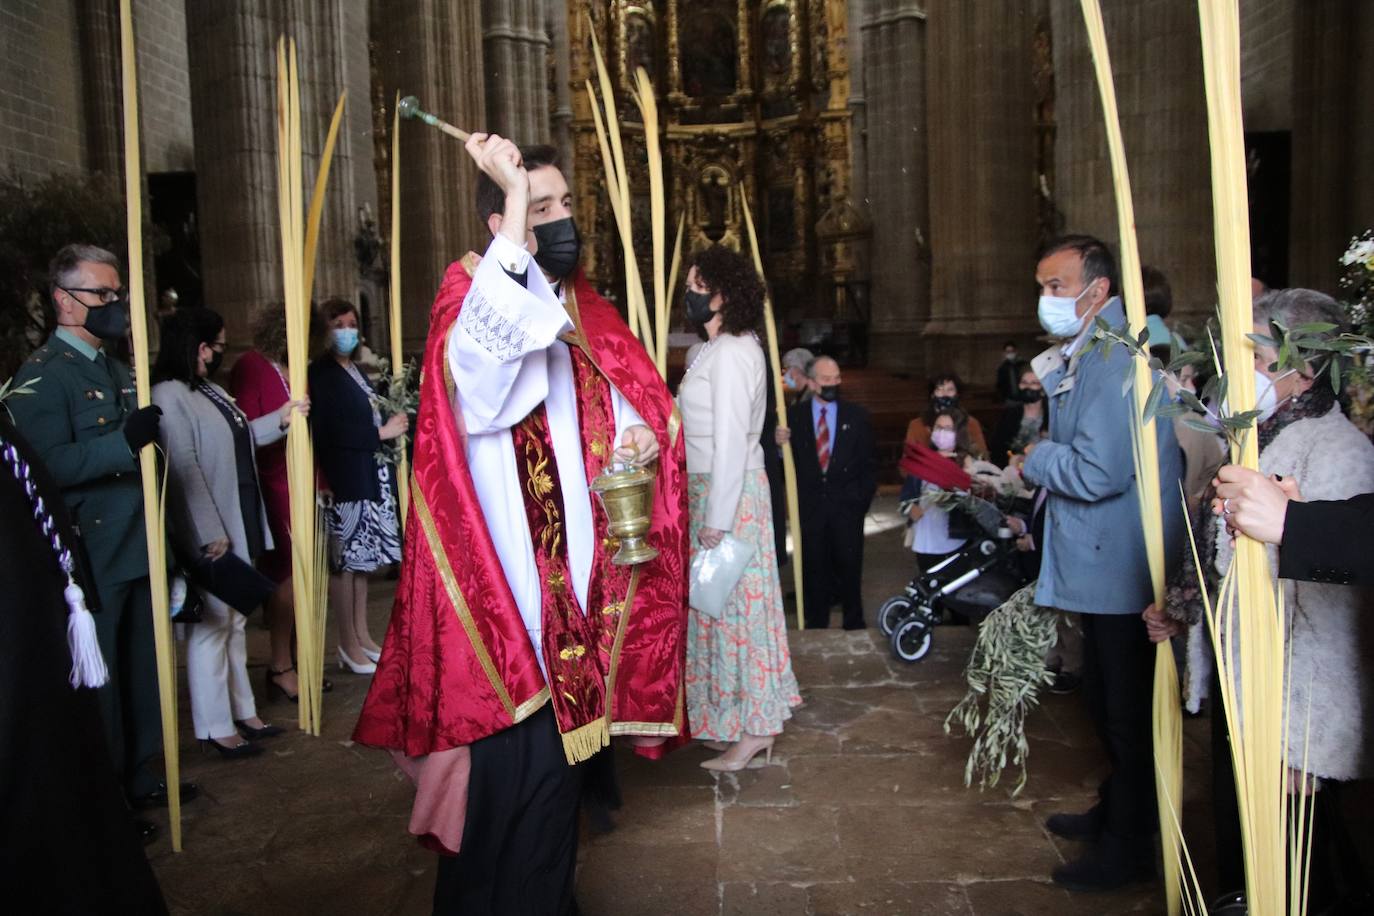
pixel 780 844
pixel 826 711
pixel 766 787
pixel 763 899
pixel 909 845
pixel 623 881
pixel 842 669
pixel 798 740
pixel 897 697
pixel 1041 898
pixel 930 774
pixel 886 731
pixel 655 816
pixel 886 898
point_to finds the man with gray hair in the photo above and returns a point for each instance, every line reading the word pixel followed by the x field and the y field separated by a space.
pixel 796 365
pixel 84 422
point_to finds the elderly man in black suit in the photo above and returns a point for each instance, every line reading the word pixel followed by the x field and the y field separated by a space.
pixel 833 448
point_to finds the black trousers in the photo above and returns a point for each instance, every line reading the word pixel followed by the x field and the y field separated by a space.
pixel 833 558
pixel 1118 685
pixel 520 837
pixel 129 704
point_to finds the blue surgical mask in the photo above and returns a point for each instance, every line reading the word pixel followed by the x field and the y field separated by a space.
pixel 345 340
pixel 1059 314
pixel 789 382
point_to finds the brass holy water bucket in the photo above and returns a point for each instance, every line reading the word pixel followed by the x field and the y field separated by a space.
pixel 627 496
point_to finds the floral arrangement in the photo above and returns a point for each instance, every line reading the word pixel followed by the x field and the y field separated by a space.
pixel 1357 289
pixel 1357 281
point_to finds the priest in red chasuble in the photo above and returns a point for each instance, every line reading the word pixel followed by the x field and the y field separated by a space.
pixel 516 648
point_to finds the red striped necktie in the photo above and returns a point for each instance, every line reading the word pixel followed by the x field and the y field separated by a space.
pixel 823 439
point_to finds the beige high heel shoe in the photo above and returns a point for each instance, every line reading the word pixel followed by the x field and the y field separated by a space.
pixel 739 756
pixel 717 746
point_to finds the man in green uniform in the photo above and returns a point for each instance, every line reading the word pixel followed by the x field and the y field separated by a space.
pixel 84 421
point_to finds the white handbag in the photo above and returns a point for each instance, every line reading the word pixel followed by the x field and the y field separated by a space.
pixel 715 572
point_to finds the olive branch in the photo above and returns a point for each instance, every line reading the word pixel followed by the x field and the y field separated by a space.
pixel 398 395
pixel 1299 348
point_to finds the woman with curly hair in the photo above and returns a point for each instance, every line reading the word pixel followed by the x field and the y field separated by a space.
pixel 740 686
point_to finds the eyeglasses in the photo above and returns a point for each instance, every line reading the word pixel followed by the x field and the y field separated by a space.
pixel 103 293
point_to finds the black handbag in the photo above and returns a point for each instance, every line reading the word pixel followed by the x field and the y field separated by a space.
pixel 234 581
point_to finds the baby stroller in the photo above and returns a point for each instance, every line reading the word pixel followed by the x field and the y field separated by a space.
pixel 971 582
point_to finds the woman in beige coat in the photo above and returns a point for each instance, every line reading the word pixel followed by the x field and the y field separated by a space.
pixel 740 686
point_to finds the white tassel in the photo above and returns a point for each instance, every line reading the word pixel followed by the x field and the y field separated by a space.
pixel 88 665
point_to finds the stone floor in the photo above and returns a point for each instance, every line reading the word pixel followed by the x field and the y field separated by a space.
pixel 863 809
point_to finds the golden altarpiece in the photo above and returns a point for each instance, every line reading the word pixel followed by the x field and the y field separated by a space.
pixel 752 98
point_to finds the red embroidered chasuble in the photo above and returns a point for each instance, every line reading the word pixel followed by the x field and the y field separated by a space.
pixel 457 664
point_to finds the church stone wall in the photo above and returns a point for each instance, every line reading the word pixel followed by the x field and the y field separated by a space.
pixel 1266 63
pixel 40 91
pixel 1157 64
pixel 164 85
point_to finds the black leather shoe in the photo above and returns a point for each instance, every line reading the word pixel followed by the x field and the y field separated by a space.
pixel 268 730
pixel 1229 904
pixel 237 752
pixel 158 797
pixel 1065 682
pixel 147 830
pixel 1085 826
pixel 1109 864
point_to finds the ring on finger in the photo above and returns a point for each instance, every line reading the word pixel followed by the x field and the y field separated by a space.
pixel 1226 506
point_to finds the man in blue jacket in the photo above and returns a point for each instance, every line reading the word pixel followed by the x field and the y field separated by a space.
pixel 1094 563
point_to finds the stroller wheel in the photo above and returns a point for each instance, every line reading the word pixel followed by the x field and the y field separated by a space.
pixel 893 611
pixel 911 639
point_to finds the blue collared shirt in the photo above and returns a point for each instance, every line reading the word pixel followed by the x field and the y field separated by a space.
pixel 831 410
pixel 77 344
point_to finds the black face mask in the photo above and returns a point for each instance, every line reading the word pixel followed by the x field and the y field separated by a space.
pixel 109 321
pixel 944 402
pixel 559 247
pixel 1030 395
pixel 829 392
pixel 213 363
pixel 698 306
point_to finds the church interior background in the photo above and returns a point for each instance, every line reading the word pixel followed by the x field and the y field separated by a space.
pixel 903 158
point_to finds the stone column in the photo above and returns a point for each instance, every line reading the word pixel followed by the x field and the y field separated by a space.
pixel 556 13
pixel 894 42
pixel 514 46
pixel 1333 171
pixel 857 104
pixel 982 186
pixel 232 48
pixel 101 86
pixel 1157 64
pixel 432 49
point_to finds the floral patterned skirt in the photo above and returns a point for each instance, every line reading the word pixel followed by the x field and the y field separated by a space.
pixel 739 670
pixel 364 535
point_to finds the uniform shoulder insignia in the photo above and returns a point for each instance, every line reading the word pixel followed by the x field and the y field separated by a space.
pixel 41 355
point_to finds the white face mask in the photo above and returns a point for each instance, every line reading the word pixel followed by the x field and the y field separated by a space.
pixel 1059 314
pixel 1267 393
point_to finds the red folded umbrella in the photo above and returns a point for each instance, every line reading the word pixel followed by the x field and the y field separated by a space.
pixel 924 463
